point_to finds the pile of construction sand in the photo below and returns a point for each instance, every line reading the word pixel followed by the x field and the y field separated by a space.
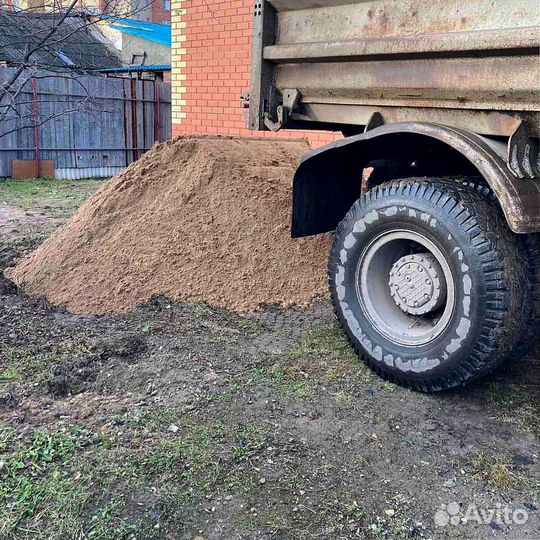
pixel 196 220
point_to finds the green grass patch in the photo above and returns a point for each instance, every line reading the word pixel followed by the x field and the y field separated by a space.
pixel 197 459
pixel 324 357
pixel 108 522
pixel 10 374
pixel 249 443
pixel 159 418
pixel 34 193
pixel 287 378
pixel 190 454
pixel 20 365
pixel 496 472
pixel 60 375
pixel 327 342
pixel 36 486
pixel 62 485
pixel 301 389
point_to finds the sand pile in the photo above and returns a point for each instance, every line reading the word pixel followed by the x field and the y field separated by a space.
pixel 197 220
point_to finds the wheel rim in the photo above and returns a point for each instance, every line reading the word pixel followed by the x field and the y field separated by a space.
pixel 414 307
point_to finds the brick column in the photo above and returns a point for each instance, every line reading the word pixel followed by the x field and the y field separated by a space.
pixel 211 61
pixel 178 51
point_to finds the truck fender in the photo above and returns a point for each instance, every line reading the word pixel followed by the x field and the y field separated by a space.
pixel 329 180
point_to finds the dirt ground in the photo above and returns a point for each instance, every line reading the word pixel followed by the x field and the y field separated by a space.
pixel 178 421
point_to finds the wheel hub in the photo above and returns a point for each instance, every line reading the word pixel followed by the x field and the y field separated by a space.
pixel 417 284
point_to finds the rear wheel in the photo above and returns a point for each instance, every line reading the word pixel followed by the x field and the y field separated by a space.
pixel 428 283
pixel 529 246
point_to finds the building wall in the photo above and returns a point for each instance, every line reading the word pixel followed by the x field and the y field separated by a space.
pixel 161 11
pixel 140 10
pixel 48 6
pixel 155 11
pixel 156 54
pixel 211 59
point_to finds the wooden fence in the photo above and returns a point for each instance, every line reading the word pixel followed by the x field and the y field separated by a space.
pixel 89 126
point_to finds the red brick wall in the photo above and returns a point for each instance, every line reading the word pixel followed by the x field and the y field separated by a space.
pixel 159 14
pixel 216 67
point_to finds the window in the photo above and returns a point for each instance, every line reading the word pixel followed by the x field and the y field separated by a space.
pixel 167 5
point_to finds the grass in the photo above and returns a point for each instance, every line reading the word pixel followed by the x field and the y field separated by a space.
pixel 285 378
pixel 142 481
pixel 20 365
pixel 324 357
pixel 68 483
pixel 199 458
pixel 60 374
pixel 36 484
pixel 496 472
pixel 190 456
pixel 77 483
pixel 107 523
pixel 249 443
pixel 46 193
pixel 516 404
pixel 10 374
pixel 81 484
pixel 325 343
pixel 159 418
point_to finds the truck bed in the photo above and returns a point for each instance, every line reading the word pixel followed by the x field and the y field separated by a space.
pixel 466 63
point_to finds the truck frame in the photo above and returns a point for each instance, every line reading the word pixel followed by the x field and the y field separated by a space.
pixel 433 194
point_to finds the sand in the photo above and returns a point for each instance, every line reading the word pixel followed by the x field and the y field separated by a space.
pixel 203 220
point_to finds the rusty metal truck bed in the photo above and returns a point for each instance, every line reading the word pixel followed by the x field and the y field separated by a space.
pixel 472 64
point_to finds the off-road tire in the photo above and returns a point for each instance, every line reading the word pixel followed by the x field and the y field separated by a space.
pixel 487 265
pixel 529 246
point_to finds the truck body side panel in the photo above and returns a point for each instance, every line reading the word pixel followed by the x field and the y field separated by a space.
pixel 470 64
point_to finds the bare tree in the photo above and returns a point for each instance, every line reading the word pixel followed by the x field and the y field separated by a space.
pixel 32 49
pixel 28 69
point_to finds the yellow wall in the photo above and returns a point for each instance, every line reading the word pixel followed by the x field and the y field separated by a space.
pixel 178 62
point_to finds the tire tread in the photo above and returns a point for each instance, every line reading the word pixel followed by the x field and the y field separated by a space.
pixel 471 209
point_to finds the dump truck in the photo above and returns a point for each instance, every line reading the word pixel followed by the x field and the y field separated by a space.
pixel 432 190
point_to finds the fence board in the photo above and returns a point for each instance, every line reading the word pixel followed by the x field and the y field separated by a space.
pixel 87 125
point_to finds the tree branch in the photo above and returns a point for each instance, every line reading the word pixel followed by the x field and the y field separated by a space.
pixel 43 42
